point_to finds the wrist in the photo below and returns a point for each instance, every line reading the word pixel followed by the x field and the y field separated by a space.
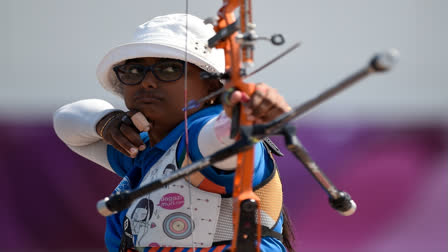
pixel 104 122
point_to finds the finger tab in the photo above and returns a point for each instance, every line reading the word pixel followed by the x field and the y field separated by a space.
pixel 141 122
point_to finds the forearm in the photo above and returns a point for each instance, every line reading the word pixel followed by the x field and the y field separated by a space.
pixel 76 125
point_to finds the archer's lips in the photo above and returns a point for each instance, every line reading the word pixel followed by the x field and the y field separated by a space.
pixel 148 98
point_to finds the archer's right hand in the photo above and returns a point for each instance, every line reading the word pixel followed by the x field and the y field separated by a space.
pixel 118 130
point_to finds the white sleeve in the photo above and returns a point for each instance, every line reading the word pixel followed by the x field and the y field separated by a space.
pixel 214 136
pixel 75 124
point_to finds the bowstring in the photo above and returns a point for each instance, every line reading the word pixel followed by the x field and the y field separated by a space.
pixel 185 78
pixel 187 158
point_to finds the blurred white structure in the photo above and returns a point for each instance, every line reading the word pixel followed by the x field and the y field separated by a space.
pixel 49 50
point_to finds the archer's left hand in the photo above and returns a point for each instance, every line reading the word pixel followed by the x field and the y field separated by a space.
pixel 264 105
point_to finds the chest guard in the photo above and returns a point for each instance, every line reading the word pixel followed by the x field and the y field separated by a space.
pixel 194 213
pixel 178 215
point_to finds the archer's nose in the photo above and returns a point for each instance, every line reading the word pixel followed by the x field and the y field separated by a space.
pixel 149 81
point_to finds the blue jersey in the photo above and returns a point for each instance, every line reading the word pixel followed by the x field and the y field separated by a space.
pixel 133 170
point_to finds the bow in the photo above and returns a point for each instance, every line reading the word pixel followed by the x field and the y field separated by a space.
pixel 237 37
pixel 238 48
pixel 246 203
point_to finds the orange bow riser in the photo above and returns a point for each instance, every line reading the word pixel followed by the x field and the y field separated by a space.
pixel 247 230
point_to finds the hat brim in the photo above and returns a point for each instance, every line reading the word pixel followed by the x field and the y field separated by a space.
pixel 119 54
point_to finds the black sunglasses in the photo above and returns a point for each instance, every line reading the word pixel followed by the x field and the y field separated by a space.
pixel 134 74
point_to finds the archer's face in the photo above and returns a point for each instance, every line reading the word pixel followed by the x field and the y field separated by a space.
pixel 162 102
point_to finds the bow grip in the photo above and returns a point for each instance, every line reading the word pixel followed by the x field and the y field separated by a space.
pixel 235 126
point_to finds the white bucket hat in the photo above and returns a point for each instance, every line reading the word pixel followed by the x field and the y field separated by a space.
pixel 164 37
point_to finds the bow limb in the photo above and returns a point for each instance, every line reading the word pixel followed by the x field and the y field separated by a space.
pixel 246 204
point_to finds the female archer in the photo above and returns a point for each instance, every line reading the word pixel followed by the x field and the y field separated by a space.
pixel 150 139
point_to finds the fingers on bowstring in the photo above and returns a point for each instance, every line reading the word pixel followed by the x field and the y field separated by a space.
pixel 133 123
pixel 125 136
pixel 123 144
pixel 140 121
pixel 132 135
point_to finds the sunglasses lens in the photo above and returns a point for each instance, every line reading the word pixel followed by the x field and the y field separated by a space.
pixel 169 70
pixel 130 74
